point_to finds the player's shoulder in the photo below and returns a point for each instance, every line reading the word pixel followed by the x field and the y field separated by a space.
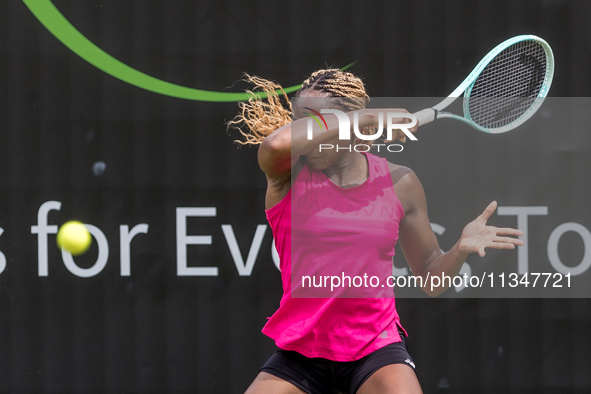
pixel 401 174
pixel 397 167
pixel 407 186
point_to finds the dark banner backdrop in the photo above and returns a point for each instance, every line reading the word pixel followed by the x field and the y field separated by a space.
pixel 116 156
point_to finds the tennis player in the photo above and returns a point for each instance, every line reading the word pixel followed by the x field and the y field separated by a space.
pixel 320 206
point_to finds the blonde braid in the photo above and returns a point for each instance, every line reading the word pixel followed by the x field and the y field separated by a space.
pixel 259 117
pixel 262 118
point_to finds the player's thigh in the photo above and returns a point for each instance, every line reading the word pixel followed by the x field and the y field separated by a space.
pixel 395 378
pixel 265 383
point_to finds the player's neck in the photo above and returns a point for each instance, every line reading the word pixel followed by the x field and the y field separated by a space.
pixel 349 171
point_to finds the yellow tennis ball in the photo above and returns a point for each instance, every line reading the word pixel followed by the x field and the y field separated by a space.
pixel 74 237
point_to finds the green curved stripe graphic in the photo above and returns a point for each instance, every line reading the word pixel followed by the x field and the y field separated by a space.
pixel 62 29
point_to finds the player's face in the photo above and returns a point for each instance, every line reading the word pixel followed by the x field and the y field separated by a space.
pixel 325 158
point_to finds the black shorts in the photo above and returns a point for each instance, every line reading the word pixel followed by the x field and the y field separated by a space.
pixel 321 376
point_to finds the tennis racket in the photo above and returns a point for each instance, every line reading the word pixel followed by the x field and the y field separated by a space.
pixel 505 89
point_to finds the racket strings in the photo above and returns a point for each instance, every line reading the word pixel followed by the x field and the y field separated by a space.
pixel 508 85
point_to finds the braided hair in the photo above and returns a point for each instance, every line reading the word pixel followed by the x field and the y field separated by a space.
pixel 262 118
pixel 338 84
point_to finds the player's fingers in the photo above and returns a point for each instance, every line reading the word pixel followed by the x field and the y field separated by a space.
pixel 402 110
pixel 495 245
pixel 397 135
pixel 488 211
pixel 508 240
pixel 414 128
pixel 509 231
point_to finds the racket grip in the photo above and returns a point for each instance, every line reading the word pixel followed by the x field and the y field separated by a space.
pixel 425 116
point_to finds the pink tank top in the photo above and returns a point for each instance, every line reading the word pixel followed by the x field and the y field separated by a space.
pixel 322 232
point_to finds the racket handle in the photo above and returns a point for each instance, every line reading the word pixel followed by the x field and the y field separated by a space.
pixel 425 116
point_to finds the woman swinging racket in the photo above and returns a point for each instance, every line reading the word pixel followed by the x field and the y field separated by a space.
pixel 341 212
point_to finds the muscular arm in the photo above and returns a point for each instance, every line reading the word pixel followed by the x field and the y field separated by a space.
pixel 419 244
pixel 417 240
pixel 282 149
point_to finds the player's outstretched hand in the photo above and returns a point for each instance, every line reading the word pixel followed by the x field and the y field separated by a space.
pixel 477 236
